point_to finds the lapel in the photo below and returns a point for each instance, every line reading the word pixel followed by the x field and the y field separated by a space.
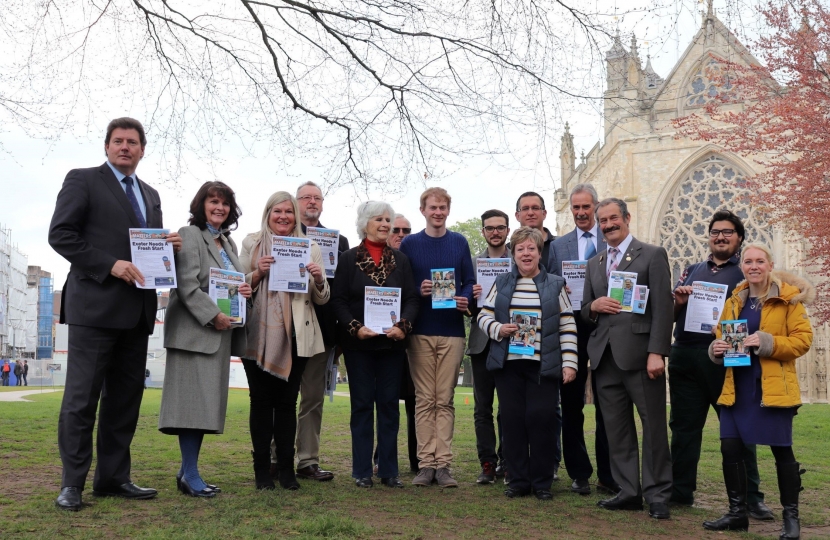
pixel 214 251
pixel 109 180
pixel 631 254
pixel 601 263
pixel 573 245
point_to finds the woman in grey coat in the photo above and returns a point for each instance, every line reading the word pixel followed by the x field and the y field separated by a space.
pixel 199 338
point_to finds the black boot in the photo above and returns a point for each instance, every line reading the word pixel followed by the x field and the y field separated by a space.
pixel 734 476
pixel 288 479
pixel 789 484
pixel 262 465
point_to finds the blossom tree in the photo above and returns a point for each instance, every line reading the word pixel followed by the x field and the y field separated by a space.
pixel 778 114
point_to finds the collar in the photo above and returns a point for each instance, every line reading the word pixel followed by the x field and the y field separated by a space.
pixel 121 176
pixel 734 259
pixel 623 247
pixel 551 236
pixel 594 230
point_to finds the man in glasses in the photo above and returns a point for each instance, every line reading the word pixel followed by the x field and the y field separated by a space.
pixel 581 244
pixel 696 382
pixel 401 228
pixel 313 385
pixel 495 228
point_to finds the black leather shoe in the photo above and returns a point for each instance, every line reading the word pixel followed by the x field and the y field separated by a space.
pixel 659 510
pixel 393 482
pixel 314 472
pixel 69 499
pixel 512 493
pixel 760 511
pixel 215 489
pixel 581 486
pixel 544 494
pixel 364 483
pixel 127 490
pixel 621 503
pixel 187 490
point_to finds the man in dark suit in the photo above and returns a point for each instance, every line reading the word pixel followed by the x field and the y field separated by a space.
pixel 581 244
pixel 109 318
pixel 627 354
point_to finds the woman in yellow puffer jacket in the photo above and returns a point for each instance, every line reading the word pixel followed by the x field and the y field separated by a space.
pixel 759 400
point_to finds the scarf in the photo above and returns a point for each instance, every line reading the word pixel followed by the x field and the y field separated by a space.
pixel 269 323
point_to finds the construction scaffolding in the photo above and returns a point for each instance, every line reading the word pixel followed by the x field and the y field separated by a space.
pixel 16 318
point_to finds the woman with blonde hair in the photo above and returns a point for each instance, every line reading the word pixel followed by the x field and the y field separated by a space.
pixel 283 332
pixel 758 402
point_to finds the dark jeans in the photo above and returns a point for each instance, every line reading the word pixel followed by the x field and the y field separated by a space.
pixel 374 384
pixel 484 391
pixel 274 409
pixel 573 421
pixel 105 365
pixel 695 384
pixel 25 380
pixel 5 379
pixel 528 411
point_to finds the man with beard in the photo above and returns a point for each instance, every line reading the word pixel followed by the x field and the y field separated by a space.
pixel 581 244
pixel 696 382
pixel 495 229
pixel 627 353
pixel 313 385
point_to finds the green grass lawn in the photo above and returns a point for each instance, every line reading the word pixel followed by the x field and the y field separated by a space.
pixel 30 478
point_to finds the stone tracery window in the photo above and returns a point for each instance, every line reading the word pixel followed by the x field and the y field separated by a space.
pixel 709 82
pixel 714 183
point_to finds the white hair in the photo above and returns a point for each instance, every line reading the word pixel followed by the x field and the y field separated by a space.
pixel 403 217
pixel 367 211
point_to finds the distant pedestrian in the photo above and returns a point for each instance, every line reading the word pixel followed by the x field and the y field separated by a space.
pixel 18 373
pixel 5 372
pixel 25 373
pixel 146 377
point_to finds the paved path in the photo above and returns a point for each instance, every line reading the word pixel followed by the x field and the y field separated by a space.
pixel 21 395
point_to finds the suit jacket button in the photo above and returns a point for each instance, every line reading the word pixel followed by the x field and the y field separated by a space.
pixel 306 323
pixel 306 302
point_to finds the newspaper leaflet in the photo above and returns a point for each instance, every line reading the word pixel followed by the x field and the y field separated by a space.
pixel 223 289
pixel 621 288
pixel 522 341
pixel 288 273
pixel 443 288
pixel 734 333
pixel 381 308
pixel 487 270
pixel 329 241
pixel 153 256
pixel 574 274
pixel 704 307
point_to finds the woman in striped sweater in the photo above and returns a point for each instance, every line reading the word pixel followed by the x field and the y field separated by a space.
pixel 528 371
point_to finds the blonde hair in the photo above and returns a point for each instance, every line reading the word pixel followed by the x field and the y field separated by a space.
pixel 275 199
pixel 764 296
pixel 523 234
pixel 437 192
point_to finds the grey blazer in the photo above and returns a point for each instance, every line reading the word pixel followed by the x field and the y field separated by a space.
pixel 631 336
pixel 566 248
pixel 190 308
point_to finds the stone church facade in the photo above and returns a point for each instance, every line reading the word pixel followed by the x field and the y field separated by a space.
pixel 674 185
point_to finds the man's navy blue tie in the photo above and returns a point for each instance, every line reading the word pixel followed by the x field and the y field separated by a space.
pixel 590 249
pixel 134 202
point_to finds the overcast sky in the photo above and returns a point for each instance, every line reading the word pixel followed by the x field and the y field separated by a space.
pixel 32 170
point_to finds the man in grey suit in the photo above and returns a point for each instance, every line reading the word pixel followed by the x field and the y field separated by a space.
pixel 495 227
pixel 109 318
pixel 627 352
pixel 581 244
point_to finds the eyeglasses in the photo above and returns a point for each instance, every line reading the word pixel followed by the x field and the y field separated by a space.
pixel 315 198
pixel 490 228
pixel 727 233
pixel 529 208
pixel 399 230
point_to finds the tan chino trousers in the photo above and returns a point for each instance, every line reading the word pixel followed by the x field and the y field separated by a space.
pixel 434 362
